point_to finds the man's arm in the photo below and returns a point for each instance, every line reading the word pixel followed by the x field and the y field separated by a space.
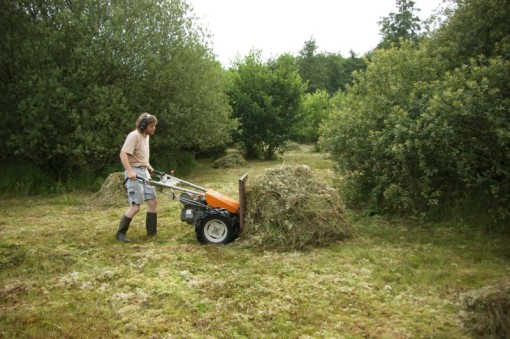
pixel 125 162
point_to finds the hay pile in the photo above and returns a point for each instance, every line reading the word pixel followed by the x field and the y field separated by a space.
pixel 292 146
pixel 112 192
pixel 231 160
pixel 290 209
pixel 486 311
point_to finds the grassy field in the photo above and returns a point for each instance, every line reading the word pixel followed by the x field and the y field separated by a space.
pixel 63 275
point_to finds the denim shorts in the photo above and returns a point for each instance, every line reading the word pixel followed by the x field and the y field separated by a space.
pixel 139 192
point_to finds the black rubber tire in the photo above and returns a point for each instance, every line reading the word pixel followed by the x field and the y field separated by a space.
pixel 235 234
pixel 215 228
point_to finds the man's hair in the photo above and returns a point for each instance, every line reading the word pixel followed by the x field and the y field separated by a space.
pixel 144 120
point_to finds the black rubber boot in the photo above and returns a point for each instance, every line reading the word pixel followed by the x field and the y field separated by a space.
pixel 123 227
pixel 151 223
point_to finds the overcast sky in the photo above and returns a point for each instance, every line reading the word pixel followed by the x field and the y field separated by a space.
pixel 281 26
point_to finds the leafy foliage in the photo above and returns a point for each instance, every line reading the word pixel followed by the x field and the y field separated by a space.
pixel 410 135
pixel 367 135
pixel 326 71
pixel 76 74
pixel 476 27
pixel 402 26
pixel 424 131
pixel 314 109
pixel 265 98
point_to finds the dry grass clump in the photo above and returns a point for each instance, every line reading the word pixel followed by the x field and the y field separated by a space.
pixel 112 192
pixel 486 311
pixel 290 209
pixel 231 160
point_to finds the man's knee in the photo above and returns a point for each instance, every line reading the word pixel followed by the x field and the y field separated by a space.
pixel 152 204
pixel 134 208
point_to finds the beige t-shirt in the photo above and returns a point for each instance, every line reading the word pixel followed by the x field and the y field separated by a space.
pixel 137 148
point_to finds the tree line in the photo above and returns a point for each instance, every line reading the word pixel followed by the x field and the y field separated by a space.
pixel 418 126
pixel 75 74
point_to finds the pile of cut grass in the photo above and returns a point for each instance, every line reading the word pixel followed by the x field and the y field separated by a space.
pixel 289 208
pixel 486 311
pixel 231 160
pixel 112 192
pixel 292 146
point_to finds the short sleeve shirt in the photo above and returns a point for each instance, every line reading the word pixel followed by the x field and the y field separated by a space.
pixel 137 148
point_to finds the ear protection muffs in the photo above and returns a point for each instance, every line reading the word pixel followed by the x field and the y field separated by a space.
pixel 143 123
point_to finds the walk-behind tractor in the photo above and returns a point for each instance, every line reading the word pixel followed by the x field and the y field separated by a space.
pixel 217 218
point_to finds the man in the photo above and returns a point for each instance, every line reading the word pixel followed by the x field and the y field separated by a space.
pixel 134 156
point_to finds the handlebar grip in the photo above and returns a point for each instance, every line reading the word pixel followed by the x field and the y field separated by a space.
pixel 137 178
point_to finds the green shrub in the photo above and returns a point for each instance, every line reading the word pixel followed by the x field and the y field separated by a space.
pixel 409 137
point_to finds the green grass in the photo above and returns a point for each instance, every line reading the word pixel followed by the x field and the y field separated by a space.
pixel 62 274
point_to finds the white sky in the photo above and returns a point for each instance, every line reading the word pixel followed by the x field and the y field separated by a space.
pixel 280 26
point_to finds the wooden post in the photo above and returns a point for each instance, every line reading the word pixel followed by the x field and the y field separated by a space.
pixel 242 200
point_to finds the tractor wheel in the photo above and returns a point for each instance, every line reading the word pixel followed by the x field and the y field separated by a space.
pixel 215 228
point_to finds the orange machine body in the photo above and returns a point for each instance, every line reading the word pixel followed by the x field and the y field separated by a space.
pixel 218 200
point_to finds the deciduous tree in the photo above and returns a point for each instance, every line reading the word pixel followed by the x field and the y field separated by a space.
pixel 265 98
pixel 315 109
pixel 404 25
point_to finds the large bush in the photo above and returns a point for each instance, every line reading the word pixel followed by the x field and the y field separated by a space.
pixel 410 135
pixel 425 129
